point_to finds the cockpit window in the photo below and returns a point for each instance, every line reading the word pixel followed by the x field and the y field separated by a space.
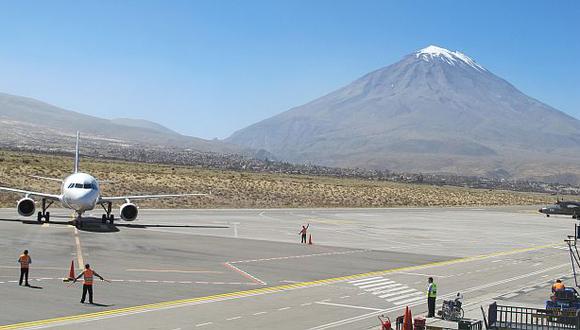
pixel 72 185
pixel 78 185
pixel 88 186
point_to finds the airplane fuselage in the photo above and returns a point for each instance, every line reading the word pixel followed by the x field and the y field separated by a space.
pixel 80 192
pixel 562 208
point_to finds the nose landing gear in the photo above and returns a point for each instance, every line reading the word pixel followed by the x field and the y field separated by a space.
pixel 44 214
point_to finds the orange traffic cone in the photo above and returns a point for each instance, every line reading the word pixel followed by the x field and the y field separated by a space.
pixel 71 273
pixel 310 239
pixel 407 320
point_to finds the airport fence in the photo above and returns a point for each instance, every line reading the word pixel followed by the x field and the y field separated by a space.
pixel 524 318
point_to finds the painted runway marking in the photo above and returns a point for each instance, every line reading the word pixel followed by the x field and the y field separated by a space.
pixel 245 274
pixel 80 261
pixel 387 289
pixel 412 304
pixel 107 314
pixel 300 256
pixel 510 295
pixel 284 308
pixel 260 313
pixel 347 306
pixel 365 279
pixel 173 271
pixel 234 318
pixel 404 302
pixel 204 324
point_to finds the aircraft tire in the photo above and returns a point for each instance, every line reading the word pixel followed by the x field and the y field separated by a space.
pixel 47 217
pixel 39 216
pixel 104 219
pixel 112 218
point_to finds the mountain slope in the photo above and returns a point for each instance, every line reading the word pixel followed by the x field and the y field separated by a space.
pixel 29 122
pixel 433 111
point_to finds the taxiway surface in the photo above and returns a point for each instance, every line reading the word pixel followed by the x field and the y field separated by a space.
pixel 215 269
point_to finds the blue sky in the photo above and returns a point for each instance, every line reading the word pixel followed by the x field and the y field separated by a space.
pixel 208 68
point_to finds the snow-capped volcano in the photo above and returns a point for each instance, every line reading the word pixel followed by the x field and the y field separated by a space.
pixel 435 110
pixel 450 57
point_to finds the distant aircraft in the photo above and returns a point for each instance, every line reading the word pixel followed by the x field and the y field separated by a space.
pixel 81 192
pixel 562 208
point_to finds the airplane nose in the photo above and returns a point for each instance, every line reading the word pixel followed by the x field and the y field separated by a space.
pixel 541 210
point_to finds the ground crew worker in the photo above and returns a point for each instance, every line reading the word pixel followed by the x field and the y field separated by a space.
pixel 558 286
pixel 25 262
pixel 88 274
pixel 303 233
pixel 431 297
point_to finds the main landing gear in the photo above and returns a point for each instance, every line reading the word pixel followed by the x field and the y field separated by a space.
pixel 43 214
pixel 108 216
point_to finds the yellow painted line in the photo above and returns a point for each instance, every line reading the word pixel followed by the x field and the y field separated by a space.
pixel 254 292
pixel 173 271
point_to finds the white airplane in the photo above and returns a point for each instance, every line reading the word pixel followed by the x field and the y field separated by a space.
pixel 81 192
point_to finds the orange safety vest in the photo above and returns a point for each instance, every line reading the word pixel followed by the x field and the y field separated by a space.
pixel 24 261
pixel 558 286
pixel 88 276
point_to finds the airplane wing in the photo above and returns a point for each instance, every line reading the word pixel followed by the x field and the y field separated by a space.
pixel 32 193
pixel 125 198
pixel 45 178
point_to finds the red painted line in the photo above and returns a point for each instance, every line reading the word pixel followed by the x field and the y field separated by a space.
pixel 244 274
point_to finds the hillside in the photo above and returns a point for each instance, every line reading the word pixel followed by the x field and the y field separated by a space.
pixel 29 123
pixel 242 190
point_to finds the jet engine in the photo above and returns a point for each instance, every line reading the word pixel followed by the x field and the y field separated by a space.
pixel 129 211
pixel 26 207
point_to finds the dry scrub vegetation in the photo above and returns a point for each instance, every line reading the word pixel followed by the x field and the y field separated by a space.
pixel 238 189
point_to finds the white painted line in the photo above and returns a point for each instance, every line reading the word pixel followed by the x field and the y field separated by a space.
pixel 234 318
pixel 509 295
pixel 203 324
pixel 404 296
pixel 369 282
pixel 407 301
pixel 365 279
pixel 389 284
pixel 283 308
pixel 306 304
pixel 347 306
pixel 528 289
pixel 464 291
pixel 390 294
pixel 344 297
pixel 383 282
pixel 260 313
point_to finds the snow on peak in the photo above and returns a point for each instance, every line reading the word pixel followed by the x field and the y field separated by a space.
pixel 428 53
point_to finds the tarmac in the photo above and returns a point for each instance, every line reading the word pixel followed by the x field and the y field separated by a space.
pixel 219 269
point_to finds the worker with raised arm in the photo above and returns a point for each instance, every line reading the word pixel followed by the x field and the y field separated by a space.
pixel 88 275
pixel 303 233
pixel 25 262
